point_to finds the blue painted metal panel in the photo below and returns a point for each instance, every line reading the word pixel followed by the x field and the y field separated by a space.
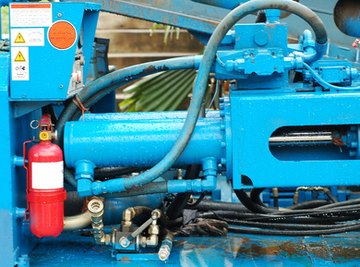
pixel 8 230
pixel 49 77
pixel 184 14
pixel 205 15
pixel 252 156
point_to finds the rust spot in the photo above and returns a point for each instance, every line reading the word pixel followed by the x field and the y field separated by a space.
pixel 345 253
pixel 255 250
pixel 127 259
pixel 319 250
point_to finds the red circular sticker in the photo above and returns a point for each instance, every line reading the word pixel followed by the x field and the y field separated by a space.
pixel 62 35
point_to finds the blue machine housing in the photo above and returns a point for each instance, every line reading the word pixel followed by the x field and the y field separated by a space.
pixel 235 141
pixel 50 79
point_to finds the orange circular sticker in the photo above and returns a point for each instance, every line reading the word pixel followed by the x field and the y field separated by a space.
pixel 62 35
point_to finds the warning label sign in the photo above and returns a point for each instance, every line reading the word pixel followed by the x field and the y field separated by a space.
pixel 27 37
pixel 20 57
pixel 62 35
pixel 19 39
pixel 30 15
pixel 20 64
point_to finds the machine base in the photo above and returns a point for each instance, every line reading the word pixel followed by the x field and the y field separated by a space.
pixel 73 249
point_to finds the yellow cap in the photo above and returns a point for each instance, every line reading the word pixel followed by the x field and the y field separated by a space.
pixel 44 136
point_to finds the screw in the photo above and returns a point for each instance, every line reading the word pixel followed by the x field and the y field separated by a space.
pixel 59 15
pixel 61 86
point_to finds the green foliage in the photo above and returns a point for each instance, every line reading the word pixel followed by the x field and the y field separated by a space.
pixel 165 91
pixel 169 31
pixel 5 20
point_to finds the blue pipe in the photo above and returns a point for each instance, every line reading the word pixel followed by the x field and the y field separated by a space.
pixel 86 186
pixel 135 141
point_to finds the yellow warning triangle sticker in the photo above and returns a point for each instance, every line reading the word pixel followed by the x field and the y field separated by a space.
pixel 20 57
pixel 19 39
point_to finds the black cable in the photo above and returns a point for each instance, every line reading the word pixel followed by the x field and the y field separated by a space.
pixel 254 207
pixel 352 213
pixel 251 205
pixel 266 218
pixel 284 226
pixel 348 228
pixel 207 205
pixel 111 172
pixel 261 17
pixel 309 204
pixel 340 204
pixel 255 196
pixel 330 195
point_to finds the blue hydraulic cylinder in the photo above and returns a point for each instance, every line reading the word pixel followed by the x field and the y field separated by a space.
pixel 132 140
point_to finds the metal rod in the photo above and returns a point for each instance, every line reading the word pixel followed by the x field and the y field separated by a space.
pixel 324 137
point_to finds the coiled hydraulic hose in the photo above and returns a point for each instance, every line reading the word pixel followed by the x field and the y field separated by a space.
pixel 202 79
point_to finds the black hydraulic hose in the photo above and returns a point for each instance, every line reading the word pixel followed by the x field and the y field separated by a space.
pixel 254 207
pixel 255 196
pixel 347 228
pixel 277 219
pixel 307 220
pixel 284 226
pixel 259 217
pixel 340 204
pixel 109 172
pixel 151 188
pixel 261 17
pixel 206 205
pixel 250 204
pixel 309 204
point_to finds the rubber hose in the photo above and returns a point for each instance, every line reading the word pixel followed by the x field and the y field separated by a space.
pixel 255 196
pixel 284 226
pixel 309 204
pixel 348 228
pixel 251 205
pixel 206 205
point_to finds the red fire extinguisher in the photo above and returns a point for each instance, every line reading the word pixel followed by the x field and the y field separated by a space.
pixel 45 192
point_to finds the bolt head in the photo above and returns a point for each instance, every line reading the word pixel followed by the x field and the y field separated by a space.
pixel 124 242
